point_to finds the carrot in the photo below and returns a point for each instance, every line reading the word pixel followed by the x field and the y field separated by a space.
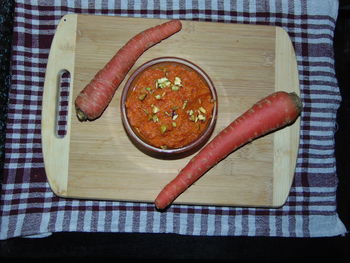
pixel 95 97
pixel 269 114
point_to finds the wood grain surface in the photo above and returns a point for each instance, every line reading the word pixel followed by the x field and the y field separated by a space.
pixel 96 160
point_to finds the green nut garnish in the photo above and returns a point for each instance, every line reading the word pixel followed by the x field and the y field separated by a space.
pixel 142 96
pixel 163 128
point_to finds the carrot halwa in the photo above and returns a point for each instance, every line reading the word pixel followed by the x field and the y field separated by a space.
pixel 169 106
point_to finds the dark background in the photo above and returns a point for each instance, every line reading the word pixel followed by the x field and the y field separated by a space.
pixel 177 247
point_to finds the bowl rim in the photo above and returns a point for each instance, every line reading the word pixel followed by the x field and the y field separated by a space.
pixel 204 136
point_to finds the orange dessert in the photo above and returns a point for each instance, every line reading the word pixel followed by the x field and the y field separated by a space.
pixel 170 105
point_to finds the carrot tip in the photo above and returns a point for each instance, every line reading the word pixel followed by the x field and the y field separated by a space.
pixel 297 101
pixel 159 206
pixel 81 115
pixel 159 209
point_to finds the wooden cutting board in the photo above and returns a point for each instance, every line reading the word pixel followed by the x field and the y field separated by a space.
pixel 96 160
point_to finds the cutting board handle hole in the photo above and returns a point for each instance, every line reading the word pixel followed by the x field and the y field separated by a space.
pixel 62 103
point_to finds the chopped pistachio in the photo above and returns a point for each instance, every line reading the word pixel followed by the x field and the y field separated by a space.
pixel 175 88
pixel 148 89
pixel 155 118
pixel 175 117
pixel 158 96
pixel 155 109
pixel 162 83
pixel 184 104
pixel 177 81
pixel 192 118
pixel 163 128
pixel 190 112
pixel 200 101
pixel 164 147
pixel 167 113
pixel 201 109
pixel 145 111
pixel 201 117
pixel 174 124
pixel 166 84
pixel 142 96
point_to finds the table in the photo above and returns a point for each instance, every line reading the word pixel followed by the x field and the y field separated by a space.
pixel 28 207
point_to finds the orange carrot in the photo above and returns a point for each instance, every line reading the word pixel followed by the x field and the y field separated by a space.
pixel 95 97
pixel 269 114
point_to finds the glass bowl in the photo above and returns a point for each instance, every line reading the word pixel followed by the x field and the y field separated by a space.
pixel 139 141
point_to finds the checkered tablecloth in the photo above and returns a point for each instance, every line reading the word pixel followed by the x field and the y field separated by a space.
pixel 29 207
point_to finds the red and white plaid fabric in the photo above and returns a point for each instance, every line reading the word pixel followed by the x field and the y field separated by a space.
pixel 29 207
